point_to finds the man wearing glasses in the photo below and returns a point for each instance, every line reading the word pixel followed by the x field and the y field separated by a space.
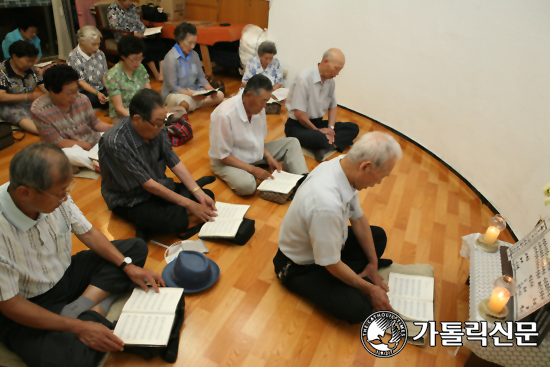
pixel 65 117
pixel 133 157
pixel 52 304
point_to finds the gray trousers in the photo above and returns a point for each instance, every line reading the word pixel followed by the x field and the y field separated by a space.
pixel 243 183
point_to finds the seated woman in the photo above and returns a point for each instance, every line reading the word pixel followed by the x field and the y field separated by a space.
pixel 123 15
pixel 126 78
pixel 18 80
pixel 91 64
pixel 26 31
pixel 183 74
pixel 265 63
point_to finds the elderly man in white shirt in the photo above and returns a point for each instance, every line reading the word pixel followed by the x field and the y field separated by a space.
pixel 311 95
pixel 52 304
pixel 319 257
pixel 238 129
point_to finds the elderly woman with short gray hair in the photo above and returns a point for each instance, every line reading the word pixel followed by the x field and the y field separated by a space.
pixel 91 64
pixel 265 63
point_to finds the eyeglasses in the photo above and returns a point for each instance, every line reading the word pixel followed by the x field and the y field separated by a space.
pixel 65 196
pixel 135 59
pixel 158 127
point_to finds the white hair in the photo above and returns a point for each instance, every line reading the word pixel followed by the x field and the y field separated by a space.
pixel 88 33
pixel 376 147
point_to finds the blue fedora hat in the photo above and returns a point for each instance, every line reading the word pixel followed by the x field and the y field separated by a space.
pixel 192 271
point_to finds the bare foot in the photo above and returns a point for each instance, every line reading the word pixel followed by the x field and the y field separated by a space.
pixel 75 170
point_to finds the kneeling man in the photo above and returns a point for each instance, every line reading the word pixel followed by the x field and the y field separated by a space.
pixel 52 304
pixel 238 129
pixel 133 157
pixel 317 259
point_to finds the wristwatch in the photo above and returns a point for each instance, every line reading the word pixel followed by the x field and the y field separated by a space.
pixel 332 127
pixel 127 261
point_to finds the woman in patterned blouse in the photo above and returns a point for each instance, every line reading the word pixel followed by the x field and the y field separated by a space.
pixel 91 64
pixel 265 63
pixel 18 80
pixel 123 15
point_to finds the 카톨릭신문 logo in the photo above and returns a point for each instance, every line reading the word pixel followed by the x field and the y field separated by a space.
pixel 384 334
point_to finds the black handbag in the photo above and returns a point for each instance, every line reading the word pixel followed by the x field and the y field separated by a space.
pixel 151 13
pixel 244 233
pixel 6 135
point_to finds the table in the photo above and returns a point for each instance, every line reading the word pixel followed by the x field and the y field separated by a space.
pixel 208 33
pixel 484 269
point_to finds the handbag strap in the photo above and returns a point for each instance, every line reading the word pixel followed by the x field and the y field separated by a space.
pixel 191 232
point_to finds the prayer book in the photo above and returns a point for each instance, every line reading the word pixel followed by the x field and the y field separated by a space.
pixel 279 95
pixel 205 92
pixel 151 31
pixel 147 318
pixel 226 224
pixel 412 296
pixel 282 182
pixel 42 64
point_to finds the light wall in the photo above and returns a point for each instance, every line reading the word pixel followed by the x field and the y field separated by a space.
pixel 468 80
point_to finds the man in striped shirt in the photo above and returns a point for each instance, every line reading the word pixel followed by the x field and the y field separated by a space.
pixel 52 304
pixel 65 117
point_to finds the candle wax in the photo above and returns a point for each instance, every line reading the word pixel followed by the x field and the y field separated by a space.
pixel 491 235
pixel 498 299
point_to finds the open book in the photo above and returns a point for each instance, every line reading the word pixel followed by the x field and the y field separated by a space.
pixel 226 224
pixel 42 64
pixel 147 318
pixel 205 92
pixel 279 95
pixel 282 182
pixel 151 31
pixel 412 296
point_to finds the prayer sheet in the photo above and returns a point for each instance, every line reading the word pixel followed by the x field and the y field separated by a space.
pixel 282 182
pixel 206 92
pixel 226 224
pixel 412 296
pixel 147 318
pixel 151 31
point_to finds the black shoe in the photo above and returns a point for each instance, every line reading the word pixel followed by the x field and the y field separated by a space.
pixel 206 180
pixel 384 263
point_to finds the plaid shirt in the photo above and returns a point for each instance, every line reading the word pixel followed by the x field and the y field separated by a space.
pixel 124 20
pixel 90 68
pixel 127 162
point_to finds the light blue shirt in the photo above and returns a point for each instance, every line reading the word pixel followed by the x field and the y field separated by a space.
pixel 16 36
pixel 181 72
pixel 273 71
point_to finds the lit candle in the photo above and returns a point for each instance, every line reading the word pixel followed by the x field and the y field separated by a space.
pixel 491 235
pixel 498 299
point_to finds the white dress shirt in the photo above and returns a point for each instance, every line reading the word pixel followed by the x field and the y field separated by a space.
pixel 34 254
pixel 232 134
pixel 310 95
pixel 315 227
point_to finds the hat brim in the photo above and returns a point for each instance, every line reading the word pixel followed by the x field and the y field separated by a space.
pixel 170 282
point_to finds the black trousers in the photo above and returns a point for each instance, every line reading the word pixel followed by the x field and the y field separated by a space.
pixel 317 284
pixel 156 48
pixel 313 139
pixel 43 348
pixel 158 216
pixel 95 101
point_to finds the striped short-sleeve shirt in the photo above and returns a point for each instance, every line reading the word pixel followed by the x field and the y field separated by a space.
pixel 54 124
pixel 34 254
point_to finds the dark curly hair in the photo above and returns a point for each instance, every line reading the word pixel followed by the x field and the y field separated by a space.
pixel 22 49
pixel 130 45
pixel 59 75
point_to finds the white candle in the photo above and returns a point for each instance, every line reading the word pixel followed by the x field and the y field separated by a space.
pixel 498 299
pixel 491 235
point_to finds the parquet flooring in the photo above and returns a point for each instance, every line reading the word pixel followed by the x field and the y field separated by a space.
pixel 247 319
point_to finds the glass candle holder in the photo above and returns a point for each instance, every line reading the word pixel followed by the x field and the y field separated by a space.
pixel 494 308
pixel 486 242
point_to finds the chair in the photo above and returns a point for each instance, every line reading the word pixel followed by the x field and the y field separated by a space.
pixel 108 44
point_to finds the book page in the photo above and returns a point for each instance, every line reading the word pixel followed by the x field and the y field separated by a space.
pixel 230 211
pixel 164 302
pixel 205 92
pixel 412 309
pixel 411 286
pixel 280 94
pixel 151 31
pixel 144 329
pixel 281 182
pixel 220 228
pixel 42 64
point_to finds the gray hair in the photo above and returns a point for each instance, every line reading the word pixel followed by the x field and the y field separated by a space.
pixel 88 33
pixel 33 166
pixel 267 47
pixel 376 147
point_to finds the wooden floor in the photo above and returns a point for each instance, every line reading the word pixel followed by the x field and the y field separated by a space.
pixel 248 319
